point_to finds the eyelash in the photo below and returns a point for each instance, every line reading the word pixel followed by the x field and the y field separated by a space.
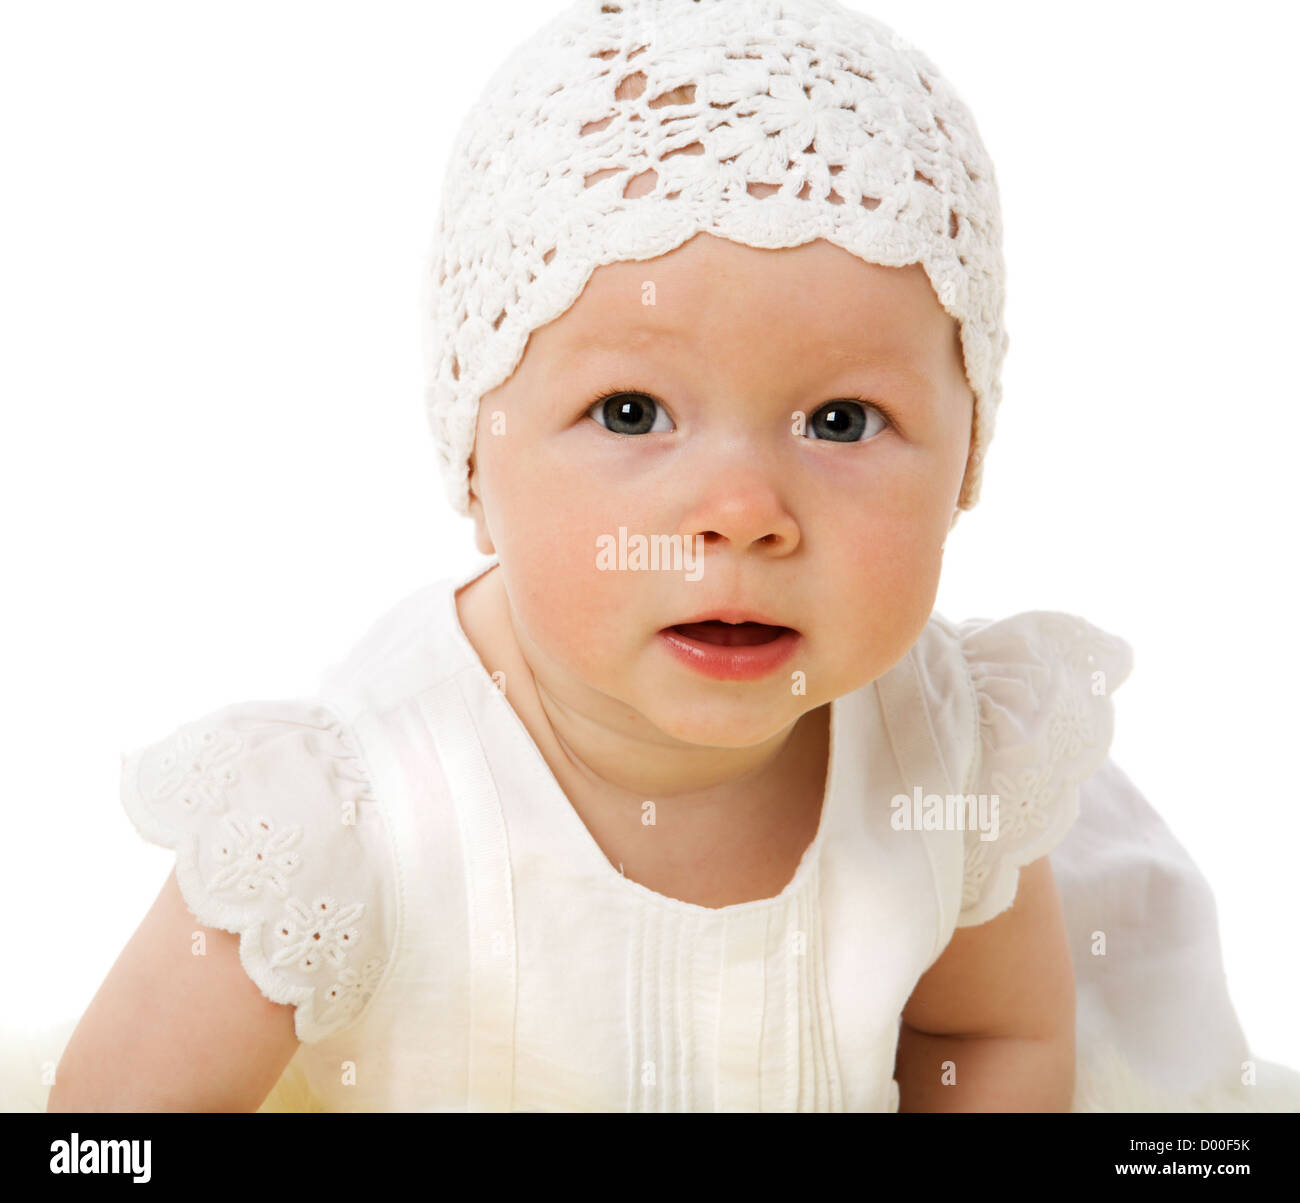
pixel 631 388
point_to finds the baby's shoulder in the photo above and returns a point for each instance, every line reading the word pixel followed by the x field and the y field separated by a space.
pixel 278 837
pixel 1019 712
pixel 1027 679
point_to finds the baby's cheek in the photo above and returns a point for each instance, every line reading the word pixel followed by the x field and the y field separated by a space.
pixel 891 580
pixel 570 608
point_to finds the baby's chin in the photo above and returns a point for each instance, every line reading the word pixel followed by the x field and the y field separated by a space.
pixel 722 732
pixel 719 715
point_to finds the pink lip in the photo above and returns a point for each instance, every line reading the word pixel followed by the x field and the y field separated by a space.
pixel 736 663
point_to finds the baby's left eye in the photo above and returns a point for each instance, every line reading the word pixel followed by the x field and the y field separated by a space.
pixel 844 421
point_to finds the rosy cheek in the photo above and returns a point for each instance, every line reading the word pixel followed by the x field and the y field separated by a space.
pixel 889 574
pixel 562 601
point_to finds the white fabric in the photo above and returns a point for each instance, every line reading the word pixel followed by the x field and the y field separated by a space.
pixel 767 122
pixel 496 960
pixel 1158 994
pixel 277 836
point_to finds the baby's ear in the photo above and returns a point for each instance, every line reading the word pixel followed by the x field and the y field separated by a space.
pixel 482 536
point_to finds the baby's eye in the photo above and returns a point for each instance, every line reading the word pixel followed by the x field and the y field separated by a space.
pixel 844 421
pixel 631 413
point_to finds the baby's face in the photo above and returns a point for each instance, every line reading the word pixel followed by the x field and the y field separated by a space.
pixel 735 428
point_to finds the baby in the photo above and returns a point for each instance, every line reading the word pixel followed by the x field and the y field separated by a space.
pixel 680 801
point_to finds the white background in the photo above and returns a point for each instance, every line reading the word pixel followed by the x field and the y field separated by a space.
pixel 215 468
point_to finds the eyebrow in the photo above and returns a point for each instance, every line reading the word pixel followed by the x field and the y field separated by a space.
pixel 891 367
pixel 887 360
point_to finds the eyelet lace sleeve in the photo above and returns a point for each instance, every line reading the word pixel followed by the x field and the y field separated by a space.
pixel 278 839
pixel 1043 681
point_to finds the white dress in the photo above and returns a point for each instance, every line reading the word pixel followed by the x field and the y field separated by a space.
pixel 404 869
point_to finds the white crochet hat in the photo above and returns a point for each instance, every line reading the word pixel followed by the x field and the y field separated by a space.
pixel 622 128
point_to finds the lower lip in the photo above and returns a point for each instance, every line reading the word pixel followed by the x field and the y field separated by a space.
pixel 731 663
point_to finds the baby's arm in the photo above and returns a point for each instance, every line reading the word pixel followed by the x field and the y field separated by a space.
pixel 172 1031
pixel 998 1004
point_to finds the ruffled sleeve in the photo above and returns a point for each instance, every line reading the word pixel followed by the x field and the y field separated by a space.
pixel 279 839
pixel 1043 683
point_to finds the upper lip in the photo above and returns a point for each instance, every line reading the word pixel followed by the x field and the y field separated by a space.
pixel 732 616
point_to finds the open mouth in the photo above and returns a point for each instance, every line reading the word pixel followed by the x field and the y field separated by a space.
pixel 731 651
pixel 727 634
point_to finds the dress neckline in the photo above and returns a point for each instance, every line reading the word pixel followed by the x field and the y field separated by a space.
pixel 550 790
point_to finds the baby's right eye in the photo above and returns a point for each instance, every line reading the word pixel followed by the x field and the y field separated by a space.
pixel 629 412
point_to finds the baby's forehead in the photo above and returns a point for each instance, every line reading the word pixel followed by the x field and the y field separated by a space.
pixel 816 294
